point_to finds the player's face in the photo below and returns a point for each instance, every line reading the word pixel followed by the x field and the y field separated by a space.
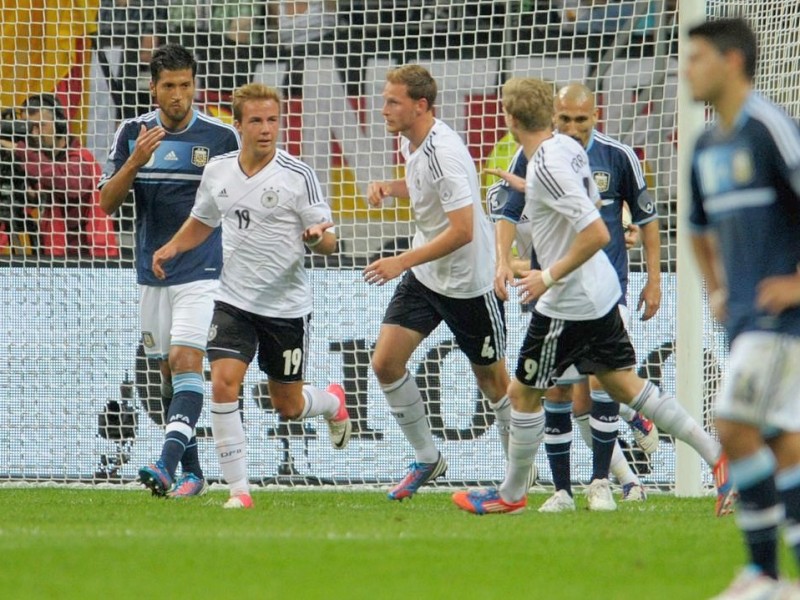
pixel 575 119
pixel 705 71
pixel 174 92
pixel 260 128
pixel 400 111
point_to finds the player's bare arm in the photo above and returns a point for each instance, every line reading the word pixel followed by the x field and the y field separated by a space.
pixel 779 293
pixel 191 234
pixel 650 296
pixel 116 189
pixel 505 232
pixel 590 240
pixel 377 191
pixel 457 234
pixel 319 239
pixel 516 182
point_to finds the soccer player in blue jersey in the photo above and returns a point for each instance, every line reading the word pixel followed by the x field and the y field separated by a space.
pixel 745 220
pixel 160 156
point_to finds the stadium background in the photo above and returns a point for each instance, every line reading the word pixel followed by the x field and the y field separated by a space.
pixel 69 347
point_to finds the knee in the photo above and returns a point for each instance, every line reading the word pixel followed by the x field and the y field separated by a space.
pixel 387 370
pixel 287 410
pixel 224 390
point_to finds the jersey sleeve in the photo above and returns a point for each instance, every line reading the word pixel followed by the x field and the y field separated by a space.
pixel 119 152
pixel 205 209
pixel 698 220
pixel 451 180
pixel 573 195
pixel 312 206
pixel 634 189
pixel 788 148
pixel 515 203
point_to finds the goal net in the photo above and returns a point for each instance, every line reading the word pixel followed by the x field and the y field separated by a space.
pixel 81 402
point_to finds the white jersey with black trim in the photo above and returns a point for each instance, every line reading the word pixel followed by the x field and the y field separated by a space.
pixel 561 199
pixel 263 218
pixel 441 177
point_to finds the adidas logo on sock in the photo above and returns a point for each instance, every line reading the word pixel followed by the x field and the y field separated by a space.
pixel 171 155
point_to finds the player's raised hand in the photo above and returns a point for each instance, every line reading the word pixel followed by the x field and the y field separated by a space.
pixel 164 254
pixel 146 143
pixel 313 235
pixel 516 182
pixel 377 191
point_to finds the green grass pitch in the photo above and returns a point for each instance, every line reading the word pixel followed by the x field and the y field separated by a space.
pixel 86 543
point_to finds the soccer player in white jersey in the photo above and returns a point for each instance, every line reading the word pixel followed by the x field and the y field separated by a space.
pixel 160 156
pixel 270 207
pixel 575 320
pixel 447 274
pixel 745 221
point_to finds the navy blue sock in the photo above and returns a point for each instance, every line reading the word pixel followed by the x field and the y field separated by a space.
pixel 190 461
pixel 604 422
pixel 758 512
pixel 788 484
pixel 558 442
pixel 183 414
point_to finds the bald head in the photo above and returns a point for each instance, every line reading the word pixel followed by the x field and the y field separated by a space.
pixel 575 113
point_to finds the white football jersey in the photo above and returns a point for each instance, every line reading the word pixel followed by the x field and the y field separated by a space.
pixel 441 177
pixel 263 218
pixel 560 201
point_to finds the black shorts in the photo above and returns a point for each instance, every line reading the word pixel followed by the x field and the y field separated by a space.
pixel 478 324
pixel 552 345
pixel 281 343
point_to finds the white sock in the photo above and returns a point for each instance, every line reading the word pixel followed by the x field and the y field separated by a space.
pixel 626 412
pixel 231 445
pixel 669 416
pixel 585 428
pixel 318 402
pixel 619 466
pixel 527 432
pixel 502 419
pixel 405 404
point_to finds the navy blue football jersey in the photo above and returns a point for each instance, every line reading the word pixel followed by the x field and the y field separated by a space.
pixel 164 192
pixel 746 189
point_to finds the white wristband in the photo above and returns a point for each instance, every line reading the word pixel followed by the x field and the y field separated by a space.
pixel 316 242
pixel 547 279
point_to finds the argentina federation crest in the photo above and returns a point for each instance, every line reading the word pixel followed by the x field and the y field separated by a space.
pixel 602 179
pixel 269 199
pixel 200 156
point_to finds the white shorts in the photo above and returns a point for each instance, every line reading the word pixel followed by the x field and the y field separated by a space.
pixel 176 315
pixel 571 375
pixel 762 385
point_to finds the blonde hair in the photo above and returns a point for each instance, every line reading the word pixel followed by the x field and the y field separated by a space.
pixel 418 81
pixel 530 102
pixel 253 91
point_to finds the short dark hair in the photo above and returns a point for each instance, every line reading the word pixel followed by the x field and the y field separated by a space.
pixel 728 35
pixel 171 57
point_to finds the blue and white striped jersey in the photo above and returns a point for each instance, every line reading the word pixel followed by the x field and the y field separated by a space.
pixel 746 189
pixel 164 192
